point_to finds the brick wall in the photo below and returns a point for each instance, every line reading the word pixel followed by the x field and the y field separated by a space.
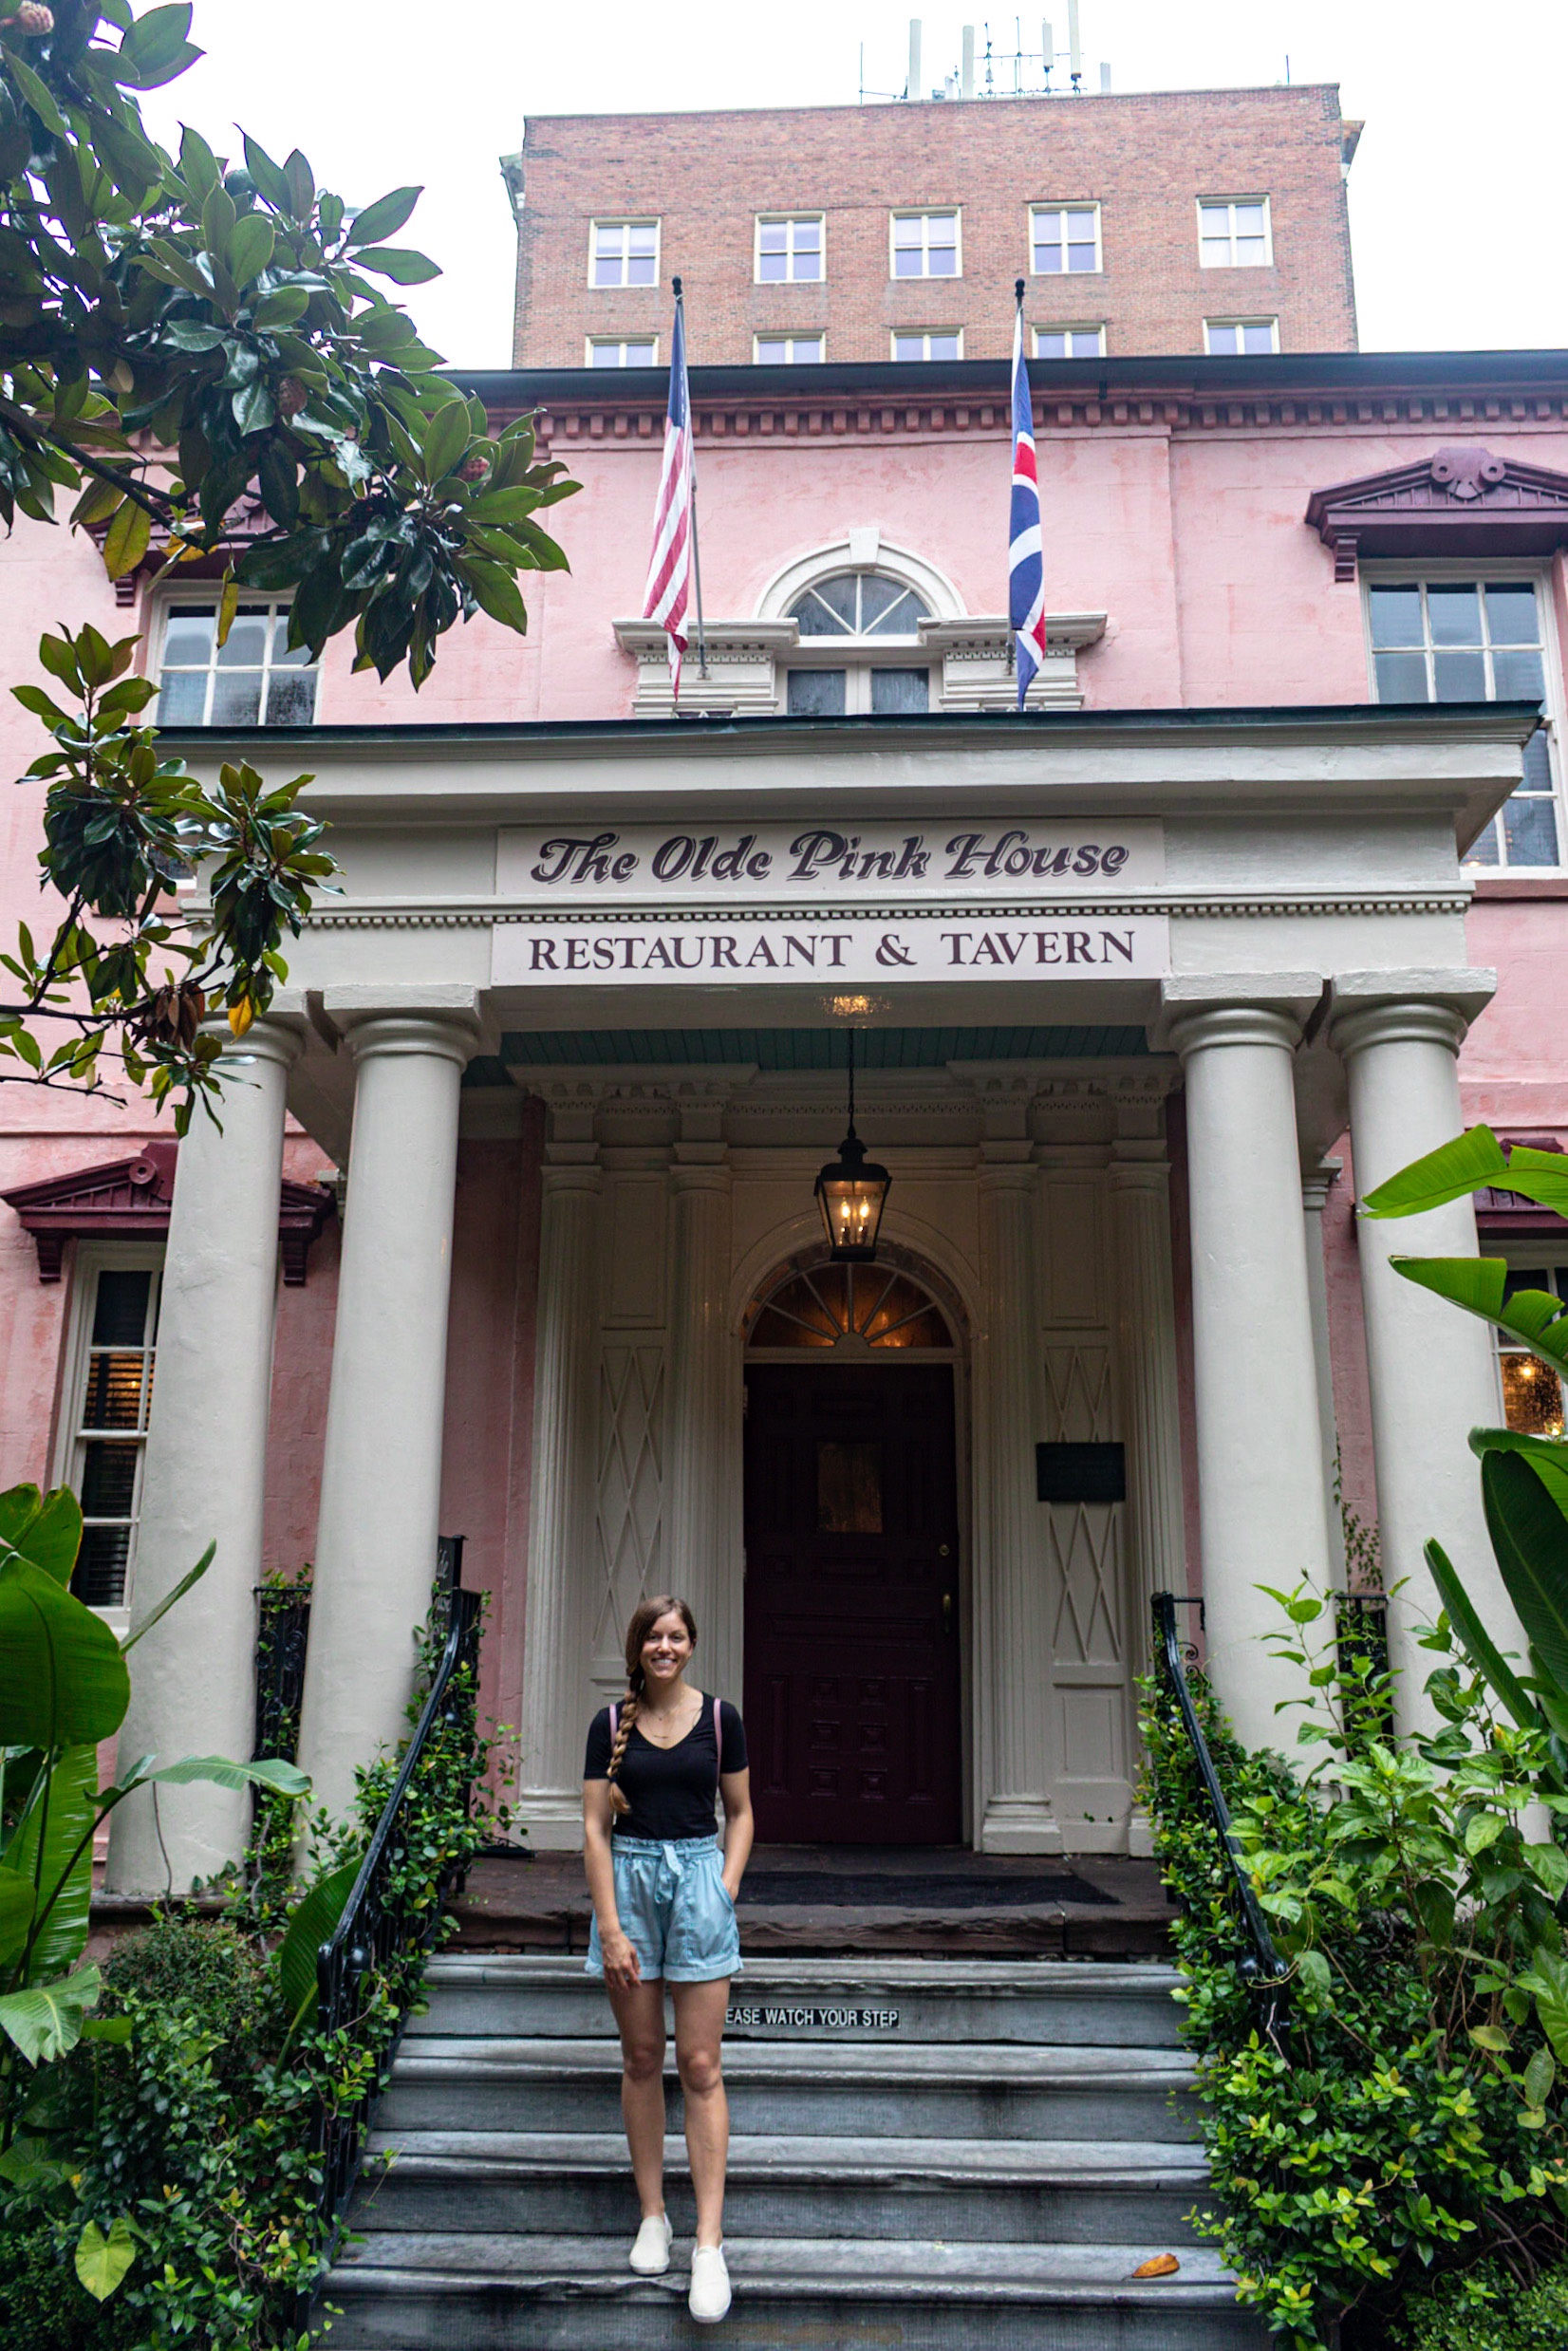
pixel 1146 160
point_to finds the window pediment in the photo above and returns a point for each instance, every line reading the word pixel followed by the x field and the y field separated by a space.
pixel 1462 500
pixel 130 1199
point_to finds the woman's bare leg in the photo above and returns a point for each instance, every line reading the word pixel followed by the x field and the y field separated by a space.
pixel 699 2031
pixel 639 2010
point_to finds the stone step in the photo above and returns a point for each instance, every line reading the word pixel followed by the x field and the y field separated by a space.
pixel 863 2090
pixel 887 2001
pixel 964 2190
pixel 403 2292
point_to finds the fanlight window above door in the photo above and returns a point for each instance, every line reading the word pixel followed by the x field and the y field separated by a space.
pixel 851 1307
pixel 858 604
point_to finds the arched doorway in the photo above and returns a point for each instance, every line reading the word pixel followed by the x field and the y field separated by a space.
pixel 853 1617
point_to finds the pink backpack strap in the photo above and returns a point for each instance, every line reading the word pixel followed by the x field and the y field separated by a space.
pixel 614 1712
pixel 718 1738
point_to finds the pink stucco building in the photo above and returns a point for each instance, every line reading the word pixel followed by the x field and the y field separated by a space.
pixel 546 1268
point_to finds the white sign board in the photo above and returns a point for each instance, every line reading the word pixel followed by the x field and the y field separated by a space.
pixel 838 949
pixel 958 860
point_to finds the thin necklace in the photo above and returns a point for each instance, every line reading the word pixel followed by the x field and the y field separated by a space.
pixel 644 1718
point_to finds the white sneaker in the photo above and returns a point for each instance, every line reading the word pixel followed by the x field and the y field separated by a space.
pixel 710 2284
pixel 650 2255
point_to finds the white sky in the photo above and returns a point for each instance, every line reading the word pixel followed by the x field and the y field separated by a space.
pixel 1455 198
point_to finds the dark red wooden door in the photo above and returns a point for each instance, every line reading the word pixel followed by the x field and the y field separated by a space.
pixel 853 1711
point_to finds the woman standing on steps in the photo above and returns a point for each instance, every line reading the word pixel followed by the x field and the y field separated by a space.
pixel 664 1912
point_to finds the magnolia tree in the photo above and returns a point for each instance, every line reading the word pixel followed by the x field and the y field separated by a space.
pixel 201 364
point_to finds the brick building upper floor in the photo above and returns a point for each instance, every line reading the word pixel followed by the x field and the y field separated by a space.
pixel 1191 221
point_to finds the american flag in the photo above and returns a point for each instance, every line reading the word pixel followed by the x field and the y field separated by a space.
pixel 669 566
pixel 1026 564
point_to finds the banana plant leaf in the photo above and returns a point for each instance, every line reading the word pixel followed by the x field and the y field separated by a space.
pixel 270 1772
pixel 15 1916
pixel 1478 1643
pixel 45 2021
pixel 1530 1538
pixel 1473 1162
pixel 313 1920
pixel 1535 1317
pixel 59 1879
pixel 62 1680
pixel 169 1599
pixel 45 1528
pixel 1547 1457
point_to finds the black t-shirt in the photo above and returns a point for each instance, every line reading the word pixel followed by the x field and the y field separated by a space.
pixel 671 1790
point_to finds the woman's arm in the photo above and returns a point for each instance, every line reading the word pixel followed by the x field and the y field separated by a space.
pixel 621 1969
pixel 739 1829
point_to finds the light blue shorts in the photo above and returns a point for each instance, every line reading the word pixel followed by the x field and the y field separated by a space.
pixel 675 1908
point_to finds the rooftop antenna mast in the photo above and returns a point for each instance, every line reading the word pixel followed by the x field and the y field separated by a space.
pixel 912 87
pixel 1075 49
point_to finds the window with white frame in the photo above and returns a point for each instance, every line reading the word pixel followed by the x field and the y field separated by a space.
pixel 925 245
pixel 1069 342
pixel 789 249
pixel 1064 239
pixel 623 253
pixel 1233 233
pixel 112 1392
pixel 851 622
pixel 928 342
pixel 622 351
pixel 1532 1389
pixel 788 350
pixel 1479 639
pixel 251 680
pixel 1240 338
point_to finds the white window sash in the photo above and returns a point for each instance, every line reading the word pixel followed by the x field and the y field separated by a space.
pixel 1056 214
pixel 72 1436
pixel 170 602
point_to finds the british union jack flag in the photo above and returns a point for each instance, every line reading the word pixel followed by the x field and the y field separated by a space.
pixel 1025 559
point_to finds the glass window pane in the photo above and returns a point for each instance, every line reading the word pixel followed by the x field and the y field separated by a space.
pixel 281 655
pixel 639 269
pixel 772 269
pixel 1087 345
pixel 1460 677
pixel 1080 258
pixel 1538 764
pixel 942 346
pixel 1401 677
pixel 1223 341
pixel 1251 252
pixel 773 236
pixel 908 265
pixel 943 263
pixel 908 232
pixel 808 237
pixel 606 272
pixel 841 595
pixel 1530 828
pixel 1050 346
pixel 816 693
pixel 1532 1395
pixel 291 697
pixel 246 647
pixel 1048 260
pixel 808 266
pixel 120 1309
pixel 1511 612
pixel 605 354
pixel 1215 252
pixel 188 635
pixel 1257 339
pixel 1214 219
pixel 99 1577
pixel 639 355
pixel 108 1478
pixel 1485 850
pixel 606 237
pixel 114 1391
pixel 1395 615
pixel 771 353
pixel 900 689
pixel 1455 613
pixel 181 696
pixel 237 698
pixel 1081 225
pixel 877 597
pixel 1517 676
pixel 644 237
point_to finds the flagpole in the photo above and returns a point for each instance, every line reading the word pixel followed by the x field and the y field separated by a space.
pixel 695 550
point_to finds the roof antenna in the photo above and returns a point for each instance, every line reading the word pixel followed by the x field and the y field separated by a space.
pixel 1075 49
pixel 1048 51
pixel 911 88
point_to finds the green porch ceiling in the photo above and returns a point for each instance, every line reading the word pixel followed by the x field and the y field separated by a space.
pixel 797 1049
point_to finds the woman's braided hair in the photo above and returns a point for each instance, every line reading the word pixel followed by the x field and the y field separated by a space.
pixel 643 1618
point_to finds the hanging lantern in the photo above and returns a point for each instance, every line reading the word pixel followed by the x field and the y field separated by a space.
pixel 851 1192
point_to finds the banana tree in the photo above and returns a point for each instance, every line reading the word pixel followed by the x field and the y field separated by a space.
pixel 64 1686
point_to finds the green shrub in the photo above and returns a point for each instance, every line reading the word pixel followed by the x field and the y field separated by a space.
pixel 1404 2119
pixel 42 2306
pixel 203 1967
pixel 1450 2317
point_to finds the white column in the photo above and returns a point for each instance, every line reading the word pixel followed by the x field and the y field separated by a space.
pixel 1260 1451
pixel 1019 1815
pixel 1432 1368
pixel 1316 1183
pixel 381 1459
pixel 194 1676
pixel 563 1578
pixel 1146 1317
pixel 701 1551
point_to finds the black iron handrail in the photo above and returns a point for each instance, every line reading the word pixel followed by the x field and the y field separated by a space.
pixel 375 1927
pixel 1264 1967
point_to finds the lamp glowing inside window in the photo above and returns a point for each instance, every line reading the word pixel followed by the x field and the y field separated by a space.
pixel 1532 1389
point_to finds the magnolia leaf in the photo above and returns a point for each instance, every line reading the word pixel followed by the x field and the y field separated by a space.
pixel 382 219
pixel 45 2022
pixel 397 263
pixel 102 2261
pixel 15 1915
pixel 1472 1160
pixel 127 539
pixel 241 1015
pixel 62 1680
pixel 1530 1538
pixel 1158 2266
